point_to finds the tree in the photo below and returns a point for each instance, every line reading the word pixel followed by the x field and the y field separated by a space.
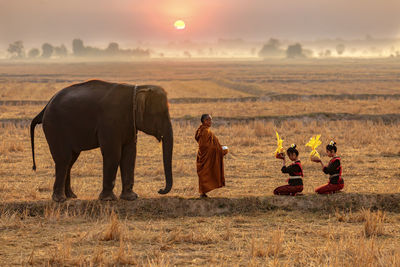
pixel 47 50
pixel 16 49
pixel 328 53
pixel 271 49
pixel 60 51
pixel 340 49
pixel 77 47
pixel 113 48
pixel 33 53
pixel 294 51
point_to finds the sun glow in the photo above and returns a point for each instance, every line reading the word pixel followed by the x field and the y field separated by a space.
pixel 179 25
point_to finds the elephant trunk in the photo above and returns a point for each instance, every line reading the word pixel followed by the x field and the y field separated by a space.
pixel 167 146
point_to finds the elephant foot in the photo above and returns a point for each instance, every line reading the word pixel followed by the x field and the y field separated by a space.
pixel 109 196
pixel 128 196
pixel 58 198
pixel 70 194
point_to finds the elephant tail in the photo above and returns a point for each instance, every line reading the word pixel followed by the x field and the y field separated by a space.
pixel 37 120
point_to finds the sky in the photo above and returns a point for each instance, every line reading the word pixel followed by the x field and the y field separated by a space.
pixel 130 21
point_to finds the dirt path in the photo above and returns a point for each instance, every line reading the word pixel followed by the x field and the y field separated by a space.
pixel 184 207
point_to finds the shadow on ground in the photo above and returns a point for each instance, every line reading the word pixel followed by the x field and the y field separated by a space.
pixel 172 207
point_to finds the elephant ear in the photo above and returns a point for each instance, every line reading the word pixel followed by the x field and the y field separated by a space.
pixel 141 104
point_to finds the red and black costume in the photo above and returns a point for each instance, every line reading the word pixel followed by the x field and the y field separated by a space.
pixel 295 181
pixel 336 182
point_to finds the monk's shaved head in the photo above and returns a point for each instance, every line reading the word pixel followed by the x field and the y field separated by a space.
pixel 204 117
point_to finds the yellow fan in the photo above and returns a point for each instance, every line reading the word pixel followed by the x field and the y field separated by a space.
pixel 314 143
pixel 279 142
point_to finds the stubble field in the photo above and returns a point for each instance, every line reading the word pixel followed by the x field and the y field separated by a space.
pixel 354 102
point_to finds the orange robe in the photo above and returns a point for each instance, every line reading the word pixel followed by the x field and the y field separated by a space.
pixel 210 165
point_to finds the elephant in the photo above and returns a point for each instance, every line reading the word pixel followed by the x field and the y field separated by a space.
pixel 108 115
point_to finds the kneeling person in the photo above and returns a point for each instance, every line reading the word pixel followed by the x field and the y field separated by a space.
pixel 295 171
pixel 334 169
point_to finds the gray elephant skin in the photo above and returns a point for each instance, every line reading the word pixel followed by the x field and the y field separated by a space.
pixel 95 114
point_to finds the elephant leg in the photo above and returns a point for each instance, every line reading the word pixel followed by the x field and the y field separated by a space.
pixel 62 156
pixel 127 167
pixel 59 184
pixel 68 190
pixel 111 160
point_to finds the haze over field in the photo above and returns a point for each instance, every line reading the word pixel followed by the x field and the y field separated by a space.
pixel 152 20
pixel 225 28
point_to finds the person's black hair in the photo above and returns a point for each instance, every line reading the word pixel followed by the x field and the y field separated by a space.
pixel 331 146
pixel 204 117
pixel 292 150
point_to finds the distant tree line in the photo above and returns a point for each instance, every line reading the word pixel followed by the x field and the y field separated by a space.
pixel 16 50
pixel 113 50
pixel 273 49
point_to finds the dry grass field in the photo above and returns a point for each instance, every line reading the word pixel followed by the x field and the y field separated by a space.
pixel 354 102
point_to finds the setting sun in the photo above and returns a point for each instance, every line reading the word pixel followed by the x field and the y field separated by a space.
pixel 179 25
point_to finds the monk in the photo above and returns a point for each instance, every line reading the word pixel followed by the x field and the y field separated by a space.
pixel 210 165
